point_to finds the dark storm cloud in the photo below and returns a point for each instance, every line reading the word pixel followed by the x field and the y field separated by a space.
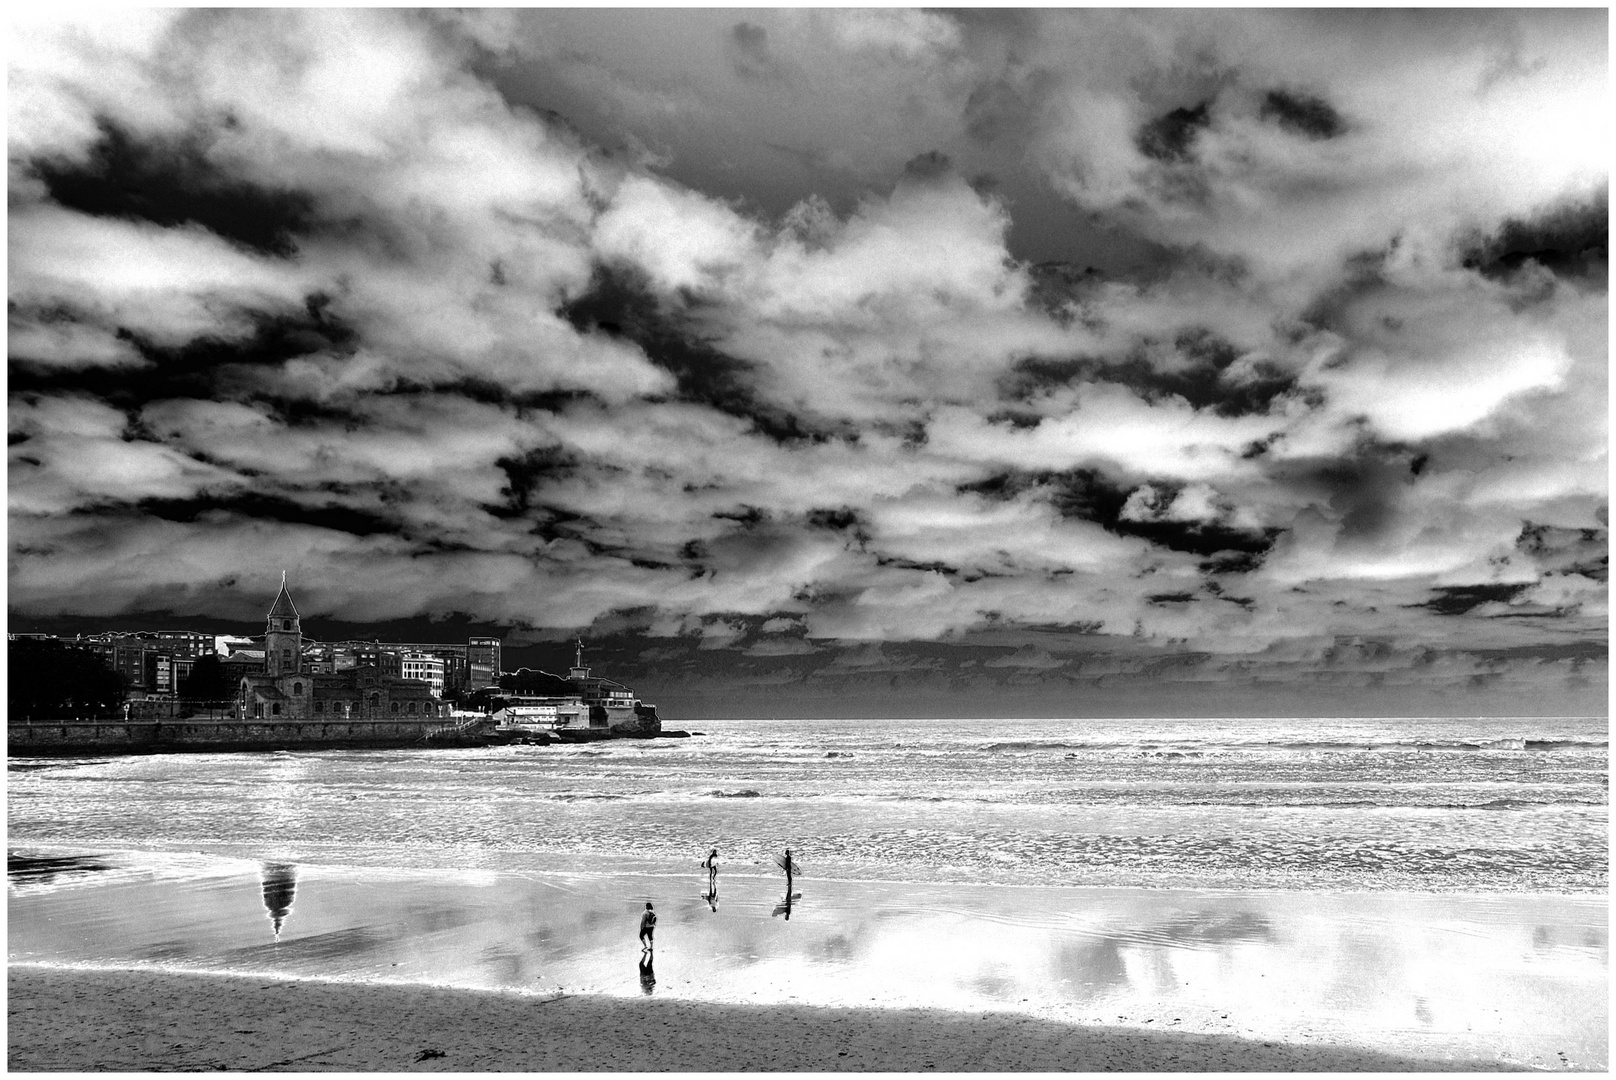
pixel 749 51
pixel 172 181
pixel 1171 136
pixel 1088 495
pixel 1302 113
pixel 1196 367
pixel 620 303
pixel 1571 241
pixel 1460 599
pixel 928 166
pixel 525 478
pixel 252 505
pixel 204 367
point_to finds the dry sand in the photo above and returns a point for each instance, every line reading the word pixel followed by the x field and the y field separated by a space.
pixel 71 1019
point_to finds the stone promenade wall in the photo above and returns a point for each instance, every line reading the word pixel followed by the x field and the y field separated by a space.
pixel 103 736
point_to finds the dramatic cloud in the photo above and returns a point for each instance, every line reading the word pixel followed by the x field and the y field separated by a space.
pixel 1107 349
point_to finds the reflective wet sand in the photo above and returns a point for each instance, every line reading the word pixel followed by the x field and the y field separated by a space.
pixel 1512 979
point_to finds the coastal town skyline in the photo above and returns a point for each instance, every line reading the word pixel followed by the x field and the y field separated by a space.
pixel 859 362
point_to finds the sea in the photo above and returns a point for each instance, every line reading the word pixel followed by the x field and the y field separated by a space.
pixel 1435 889
pixel 1440 805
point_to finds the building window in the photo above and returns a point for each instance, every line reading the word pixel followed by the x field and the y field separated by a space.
pixel 319 708
pixel 297 688
pixel 275 709
pixel 412 708
pixel 393 707
pixel 258 709
pixel 375 702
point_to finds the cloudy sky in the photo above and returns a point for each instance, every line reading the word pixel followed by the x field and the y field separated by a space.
pixel 1012 362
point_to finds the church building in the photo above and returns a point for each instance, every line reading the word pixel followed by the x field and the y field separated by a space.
pixel 285 691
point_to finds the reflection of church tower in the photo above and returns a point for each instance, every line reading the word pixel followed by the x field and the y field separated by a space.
pixel 280 886
pixel 283 636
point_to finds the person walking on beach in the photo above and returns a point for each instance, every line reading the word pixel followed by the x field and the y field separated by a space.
pixel 648 929
pixel 711 863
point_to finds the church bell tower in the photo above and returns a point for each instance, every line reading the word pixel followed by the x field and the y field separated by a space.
pixel 283 636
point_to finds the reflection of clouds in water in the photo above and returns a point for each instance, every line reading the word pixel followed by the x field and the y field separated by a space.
pixel 315 953
pixel 1422 1012
pixel 437 919
pixel 1360 971
pixel 1096 965
pixel 174 949
pixel 1093 967
pixel 1216 927
pixel 992 984
pixel 836 949
pixel 1547 939
pixel 551 946
pixel 505 964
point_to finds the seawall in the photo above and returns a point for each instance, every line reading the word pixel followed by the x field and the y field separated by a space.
pixel 146 736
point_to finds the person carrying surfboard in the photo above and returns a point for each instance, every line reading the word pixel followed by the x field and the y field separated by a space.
pixel 789 865
pixel 711 863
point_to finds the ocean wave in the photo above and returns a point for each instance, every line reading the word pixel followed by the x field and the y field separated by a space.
pixel 1566 744
pixel 744 793
pixel 1456 744
pixel 1060 744
pixel 1382 804
pixel 1201 747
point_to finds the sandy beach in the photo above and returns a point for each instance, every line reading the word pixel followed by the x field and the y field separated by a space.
pixel 65 1019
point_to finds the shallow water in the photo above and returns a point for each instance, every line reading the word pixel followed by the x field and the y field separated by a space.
pixel 1451 805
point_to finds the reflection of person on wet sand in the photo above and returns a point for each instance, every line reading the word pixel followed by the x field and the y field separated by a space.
pixel 784 906
pixel 712 899
pixel 647 973
pixel 648 929
pixel 792 868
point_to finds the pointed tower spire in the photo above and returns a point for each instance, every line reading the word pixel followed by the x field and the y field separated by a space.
pixel 283 636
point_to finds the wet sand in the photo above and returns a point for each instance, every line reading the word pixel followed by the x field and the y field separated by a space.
pixel 1511 980
pixel 75 1019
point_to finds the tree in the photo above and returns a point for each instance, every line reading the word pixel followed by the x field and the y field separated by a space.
pixel 55 680
pixel 208 681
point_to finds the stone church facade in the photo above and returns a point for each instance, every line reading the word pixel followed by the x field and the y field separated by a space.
pixel 284 691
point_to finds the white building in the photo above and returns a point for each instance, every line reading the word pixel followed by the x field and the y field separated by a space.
pixel 425 668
